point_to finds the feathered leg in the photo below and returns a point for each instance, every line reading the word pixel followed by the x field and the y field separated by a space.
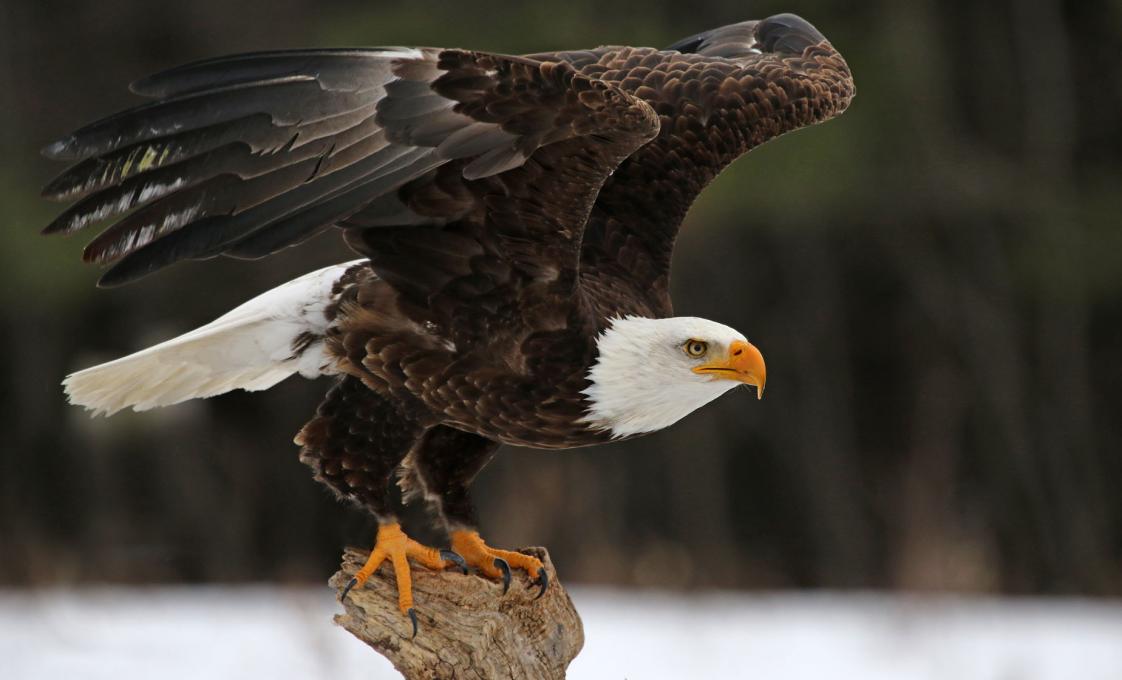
pixel 354 444
pixel 442 466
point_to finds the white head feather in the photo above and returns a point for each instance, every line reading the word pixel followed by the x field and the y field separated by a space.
pixel 644 378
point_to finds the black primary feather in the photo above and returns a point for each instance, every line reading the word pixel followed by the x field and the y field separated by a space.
pixel 338 69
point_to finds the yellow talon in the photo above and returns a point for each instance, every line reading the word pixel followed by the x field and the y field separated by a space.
pixel 483 557
pixel 392 543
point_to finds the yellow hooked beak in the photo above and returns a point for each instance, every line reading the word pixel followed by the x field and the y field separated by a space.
pixel 743 363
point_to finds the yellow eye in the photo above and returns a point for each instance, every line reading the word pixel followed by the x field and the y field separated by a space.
pixel 696 348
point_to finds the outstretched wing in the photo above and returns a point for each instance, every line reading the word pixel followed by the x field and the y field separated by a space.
pixel 718 94
pixel 249 154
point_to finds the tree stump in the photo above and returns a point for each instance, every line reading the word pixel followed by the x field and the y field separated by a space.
pixel 468 627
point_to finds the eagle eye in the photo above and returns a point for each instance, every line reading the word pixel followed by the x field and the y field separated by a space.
pixel 696 348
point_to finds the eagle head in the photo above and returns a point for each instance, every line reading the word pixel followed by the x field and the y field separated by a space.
pixel 650 373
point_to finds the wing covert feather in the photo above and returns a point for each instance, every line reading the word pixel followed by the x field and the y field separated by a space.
pixel 718 94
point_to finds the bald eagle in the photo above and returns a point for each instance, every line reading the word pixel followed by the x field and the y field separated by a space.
pixel 515 217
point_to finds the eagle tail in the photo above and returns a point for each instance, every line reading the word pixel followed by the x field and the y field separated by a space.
pixel 252 347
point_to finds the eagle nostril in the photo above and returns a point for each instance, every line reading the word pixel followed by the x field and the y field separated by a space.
pixel 738 352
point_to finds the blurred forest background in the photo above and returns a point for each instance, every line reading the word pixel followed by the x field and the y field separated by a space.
pixel 935 279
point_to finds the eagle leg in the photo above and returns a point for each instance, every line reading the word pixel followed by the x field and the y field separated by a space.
pixel 392 544
pixel 495 563
pixel 440 468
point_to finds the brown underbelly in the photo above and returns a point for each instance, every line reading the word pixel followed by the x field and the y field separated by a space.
pixel 536 435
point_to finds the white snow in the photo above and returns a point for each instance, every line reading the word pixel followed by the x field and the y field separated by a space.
pixel 275 632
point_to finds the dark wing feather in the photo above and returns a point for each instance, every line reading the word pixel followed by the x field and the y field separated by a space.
pixel 245 155
pixel 289 101
pixel 782 33
pixel 248 154
pixel 718 94
pixel 338 69
pixel 527 202
pixel 216 223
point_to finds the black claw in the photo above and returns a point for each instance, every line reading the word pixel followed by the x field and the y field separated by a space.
pixel 350 584
pixel 453 557
pixel 542 580
pixel 413 617
pixel 501 564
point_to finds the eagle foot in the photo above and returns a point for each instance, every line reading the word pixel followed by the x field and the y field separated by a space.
pixel 496 564
pixel 392 544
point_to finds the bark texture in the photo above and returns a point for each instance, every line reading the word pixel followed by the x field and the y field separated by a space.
pixel 468 627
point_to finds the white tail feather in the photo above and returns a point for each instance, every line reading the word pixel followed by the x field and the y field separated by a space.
pixel 251 348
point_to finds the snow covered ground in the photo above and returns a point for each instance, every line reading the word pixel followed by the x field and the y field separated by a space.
pixel 275 633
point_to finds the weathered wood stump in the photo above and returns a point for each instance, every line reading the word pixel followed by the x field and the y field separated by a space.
pixel 468 627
